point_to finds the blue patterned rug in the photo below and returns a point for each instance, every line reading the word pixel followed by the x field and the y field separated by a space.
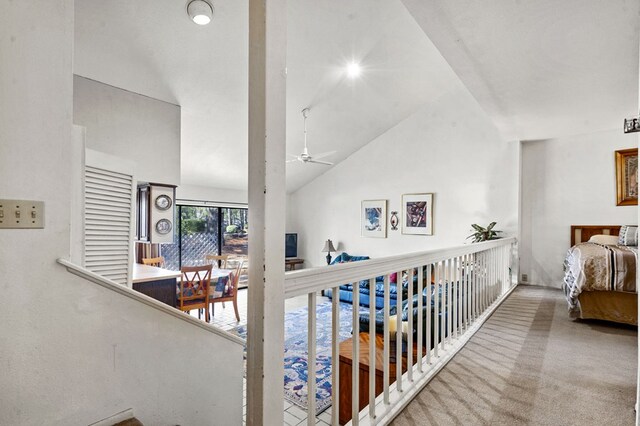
pixel 296 354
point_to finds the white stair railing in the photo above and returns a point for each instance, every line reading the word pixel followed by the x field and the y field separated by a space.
pixel 460 288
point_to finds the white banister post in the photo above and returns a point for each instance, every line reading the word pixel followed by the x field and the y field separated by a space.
pixel 267 112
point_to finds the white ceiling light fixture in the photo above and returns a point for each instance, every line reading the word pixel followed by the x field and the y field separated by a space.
pixel 200 11
pixel 353 70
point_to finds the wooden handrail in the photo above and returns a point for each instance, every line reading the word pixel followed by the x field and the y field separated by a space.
pixel 143 298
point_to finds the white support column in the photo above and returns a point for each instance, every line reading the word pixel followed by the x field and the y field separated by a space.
pixel 267 112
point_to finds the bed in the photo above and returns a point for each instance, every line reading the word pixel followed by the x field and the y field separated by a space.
pixel 600 276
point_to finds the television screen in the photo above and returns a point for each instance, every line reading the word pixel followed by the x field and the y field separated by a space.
pixel 291 245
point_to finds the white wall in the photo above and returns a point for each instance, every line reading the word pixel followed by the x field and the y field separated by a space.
pixel 208 193
pixel 448 147
pixel 132 126
pixel 72 352
pixel 567 181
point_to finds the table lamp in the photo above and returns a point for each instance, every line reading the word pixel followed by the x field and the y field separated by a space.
pixel 328 247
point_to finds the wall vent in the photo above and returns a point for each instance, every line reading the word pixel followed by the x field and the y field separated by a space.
pixel 525 278
pixel 108 202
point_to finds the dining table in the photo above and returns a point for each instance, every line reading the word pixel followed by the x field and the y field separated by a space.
pixel 164 284
pixel 159 283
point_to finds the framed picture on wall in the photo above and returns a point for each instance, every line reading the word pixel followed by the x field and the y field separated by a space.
pixel 627 177
pixel 373 218
pixel 417 213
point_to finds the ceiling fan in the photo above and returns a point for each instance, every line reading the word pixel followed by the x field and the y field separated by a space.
pixel 305 157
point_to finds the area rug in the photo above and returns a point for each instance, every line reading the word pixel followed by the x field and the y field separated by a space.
pixel 296 356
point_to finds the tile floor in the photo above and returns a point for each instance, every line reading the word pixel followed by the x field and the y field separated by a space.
pixel 225 318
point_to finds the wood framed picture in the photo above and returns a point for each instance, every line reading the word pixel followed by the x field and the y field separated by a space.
pixel 417 212
pixel 373 218
pixel 627 177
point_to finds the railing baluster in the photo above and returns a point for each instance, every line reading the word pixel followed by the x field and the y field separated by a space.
pixel 436 316
pixel 465 293
pixel 496 273
pixel 501 269
pixel 489 279
pixel 476 275
pixel 459 290
pixel 449 294
pixel 485 281
pixel 503 265
pixel 480 284
pixel 494 262
pixel 410 327
pixel 385 352
pixel 487 285
pixel 463 282
pixel 488 263
pixel 355 364
pixel 485 259
pixel 507 272
pixel 372 348
pixel 311 361
pixel 470 273
pixel 452 301
pixel 454 290
pixel 335 356
pixel 420 317
pixel 399 292
pixel 493 275
pixel 444 329
pixel 429 310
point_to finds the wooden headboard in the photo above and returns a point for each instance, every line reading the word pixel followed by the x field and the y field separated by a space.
pixel 582 233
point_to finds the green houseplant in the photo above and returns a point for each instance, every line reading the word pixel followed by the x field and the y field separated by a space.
pixel 484 234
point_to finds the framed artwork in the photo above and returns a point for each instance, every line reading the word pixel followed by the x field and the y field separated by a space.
pixel 373 218
pixel 627 177
pixel 417 212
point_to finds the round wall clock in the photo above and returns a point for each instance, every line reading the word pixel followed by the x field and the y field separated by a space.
pixel 163 202
pixel 163 226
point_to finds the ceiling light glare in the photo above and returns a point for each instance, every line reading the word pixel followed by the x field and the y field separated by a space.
pixel 200 12
pixel 353 70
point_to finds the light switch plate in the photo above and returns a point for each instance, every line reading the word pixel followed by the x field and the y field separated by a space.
pixel 21 214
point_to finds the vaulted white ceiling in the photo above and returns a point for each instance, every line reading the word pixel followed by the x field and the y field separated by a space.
pixel 540 69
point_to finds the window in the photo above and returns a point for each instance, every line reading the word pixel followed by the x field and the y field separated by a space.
pixel 235 226
pixel 203 230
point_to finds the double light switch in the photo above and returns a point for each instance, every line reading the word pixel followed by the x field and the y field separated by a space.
pixel 21 214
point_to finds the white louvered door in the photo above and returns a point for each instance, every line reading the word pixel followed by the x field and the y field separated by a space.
pixel 108 222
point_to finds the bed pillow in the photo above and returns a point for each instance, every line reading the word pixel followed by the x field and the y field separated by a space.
pixel 608 240
pixel 628 236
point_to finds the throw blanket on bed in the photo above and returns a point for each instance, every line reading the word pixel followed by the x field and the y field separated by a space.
pixel 596 267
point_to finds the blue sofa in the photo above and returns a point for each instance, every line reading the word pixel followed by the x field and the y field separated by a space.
pixel 364 318
pixel 346 290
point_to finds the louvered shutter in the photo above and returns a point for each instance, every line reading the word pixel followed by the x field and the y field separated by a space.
pixel 108 207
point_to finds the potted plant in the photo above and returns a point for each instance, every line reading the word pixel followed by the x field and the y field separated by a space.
pixel 484 234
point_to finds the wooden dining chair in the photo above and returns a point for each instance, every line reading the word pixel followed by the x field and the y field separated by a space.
pixel 194 289
pixel 218 261
pixel 154 261
pixel 230 293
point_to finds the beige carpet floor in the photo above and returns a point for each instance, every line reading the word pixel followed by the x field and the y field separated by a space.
pixel 531 364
